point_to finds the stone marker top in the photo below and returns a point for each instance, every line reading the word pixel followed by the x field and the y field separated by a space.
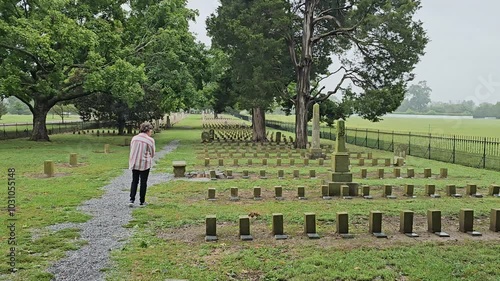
pixel 178 163
pixel 340 141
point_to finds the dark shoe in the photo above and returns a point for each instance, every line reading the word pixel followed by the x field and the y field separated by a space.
pixel 131 203
pixel 142 204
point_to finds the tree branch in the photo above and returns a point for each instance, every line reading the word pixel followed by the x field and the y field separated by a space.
pixel 291 49
pixel 25 102
pixel 24 52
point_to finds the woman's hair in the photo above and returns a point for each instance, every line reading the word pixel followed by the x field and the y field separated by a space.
pixel 145 127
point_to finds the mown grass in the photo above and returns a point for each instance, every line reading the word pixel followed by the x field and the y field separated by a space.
pixel 168 240
pixel 12 118
pixel 42 201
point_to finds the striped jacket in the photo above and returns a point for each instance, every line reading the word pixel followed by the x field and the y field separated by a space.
pixel 142 151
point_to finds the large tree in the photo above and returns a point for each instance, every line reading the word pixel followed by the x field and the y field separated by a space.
pixel 419 96
pixel 55 51
pixel 375 43
pixel 251 33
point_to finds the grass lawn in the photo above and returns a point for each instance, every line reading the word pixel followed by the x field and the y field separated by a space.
pixel 168 240
pixel 9 118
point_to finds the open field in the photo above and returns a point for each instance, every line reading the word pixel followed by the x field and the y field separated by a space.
pixel 168 239
pixel 434 126
pixel 9 118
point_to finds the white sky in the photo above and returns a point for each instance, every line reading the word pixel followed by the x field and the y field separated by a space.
pixel 462 60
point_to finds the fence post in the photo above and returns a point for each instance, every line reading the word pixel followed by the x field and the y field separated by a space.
pixel 366 138
pixel 392 142
pixel 378 139
pixel 429 149
pixel 409 143
pixel 484 154
pixel 453 152
pixel 355 136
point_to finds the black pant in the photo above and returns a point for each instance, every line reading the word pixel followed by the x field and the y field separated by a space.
pixel 135 181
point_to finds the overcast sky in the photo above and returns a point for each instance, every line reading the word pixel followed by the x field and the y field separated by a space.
pixel 462 60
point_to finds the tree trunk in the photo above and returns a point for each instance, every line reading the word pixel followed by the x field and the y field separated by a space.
pixel 259 125
pixel 121 126
pixel 216 115
pixel 40 111
pixel 304 77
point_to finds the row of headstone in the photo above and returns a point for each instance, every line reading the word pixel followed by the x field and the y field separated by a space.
pixel 349 191
pixel 228 174
pixel 410 173
pixel 264 162
pixel 465 220
pixel 345 191
pixel 49 166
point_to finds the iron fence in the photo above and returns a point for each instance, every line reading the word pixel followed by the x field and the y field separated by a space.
pixel 22 130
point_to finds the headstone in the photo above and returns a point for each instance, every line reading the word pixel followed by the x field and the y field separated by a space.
pixel 325 193
pixel 427 173
pixel 235 162
pixel 334 189
pixel 365 191
pixel 374 162
pixel 387 162
pixel 310 225
pixel 406 223
pixel 278 193
pixel 106 148
pixel 211 194
pixel 443 173
pixel 471 189
pixel 213 176
pixel 369 155
pixel 340 162
pixel 409 190
pixel 342 224
pixel 207 162
pixel 221 162
pixel 375 224
pixel 292 161
pixel 494 190
pixel 296 174
pixel 257 193
pixel 249 161
pixel 434 223
pixel 263 174
pixel 234 194
pixel 495 220
pixel 179 168
pixel 466 222
pixel 281 174
pixel 306 161
pixel 278 137
pixel 315 150
pixel 361 162
pixel 344 189
pixel 397 172
pixel 321 161
pixel 301 193
pixel 245 228
pixel 211 228
pixel 381 173
pixel 364 173
pixel 387 192
pixel 245 174
pixel 278 230
pixel 451 190
pixel 410 173
pixel 73 159
pixel 229 174
pixel 48 168
pixel 278 162
pixel 312 174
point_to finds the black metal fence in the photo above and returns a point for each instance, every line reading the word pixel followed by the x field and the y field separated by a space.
pixel 21 130
pixel 478 152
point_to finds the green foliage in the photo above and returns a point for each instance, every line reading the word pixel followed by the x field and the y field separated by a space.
pixel 3 108
pixel 251 34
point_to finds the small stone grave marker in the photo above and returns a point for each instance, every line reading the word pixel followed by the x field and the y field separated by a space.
pixel 375 224
pixel 310 225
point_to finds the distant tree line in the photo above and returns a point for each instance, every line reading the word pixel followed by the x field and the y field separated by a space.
pixel 417 101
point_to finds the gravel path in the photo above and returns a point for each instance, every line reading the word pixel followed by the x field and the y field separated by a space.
pixel 104 232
